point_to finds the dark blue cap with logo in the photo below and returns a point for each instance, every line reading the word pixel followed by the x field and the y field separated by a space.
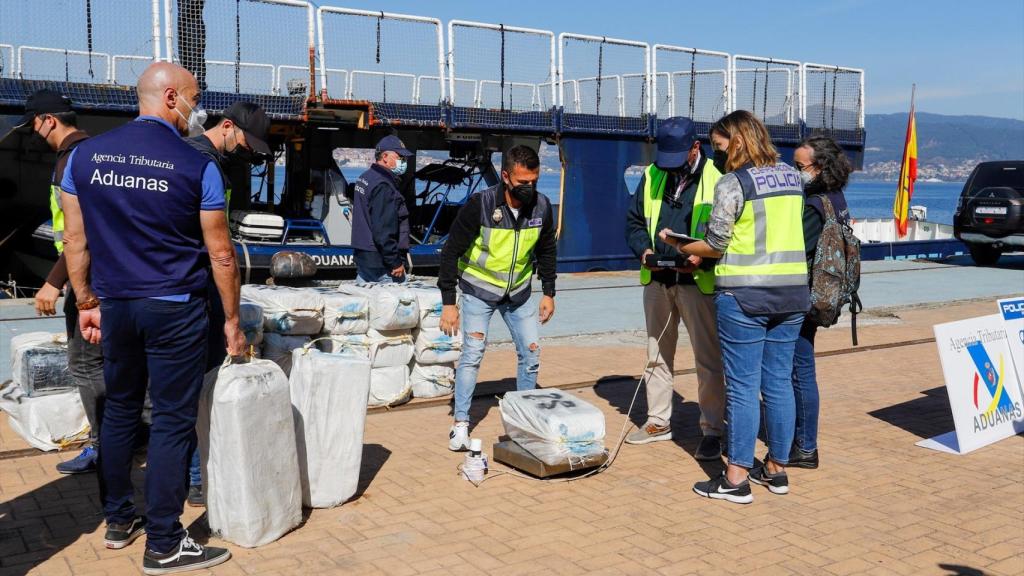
pixel 392 144
pixel 676 136
pixel 44 102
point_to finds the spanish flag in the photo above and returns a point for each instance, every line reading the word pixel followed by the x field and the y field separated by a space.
pixel 908 174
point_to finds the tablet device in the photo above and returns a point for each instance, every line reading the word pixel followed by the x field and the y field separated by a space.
pixel 663 261
pixel 683 238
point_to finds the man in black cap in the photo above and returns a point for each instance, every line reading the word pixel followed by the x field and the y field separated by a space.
pixel 49 118
pixel 677 192
pixel 380 217
pixel 239 139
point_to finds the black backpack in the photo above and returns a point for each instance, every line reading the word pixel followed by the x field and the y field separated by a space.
pixel 835 273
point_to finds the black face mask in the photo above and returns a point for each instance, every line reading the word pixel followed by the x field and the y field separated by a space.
pixel 524 193
pixel 241 156
pixel 719 159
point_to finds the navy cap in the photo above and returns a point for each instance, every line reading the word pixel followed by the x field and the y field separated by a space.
pixel 44 102
pixel 676 136
pixel 392 144
pixel 253 122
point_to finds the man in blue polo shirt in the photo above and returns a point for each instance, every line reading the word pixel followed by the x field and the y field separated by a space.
pixel 144 222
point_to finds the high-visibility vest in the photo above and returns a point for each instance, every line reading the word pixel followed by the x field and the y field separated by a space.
pixel 57 213
pixel 654 191
pixel 767 246
pixel 500 260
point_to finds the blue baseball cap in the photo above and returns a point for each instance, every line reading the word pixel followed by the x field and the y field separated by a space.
pixel 392 144
pixel 676 136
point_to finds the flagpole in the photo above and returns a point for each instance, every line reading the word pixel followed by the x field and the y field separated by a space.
pixel 903 165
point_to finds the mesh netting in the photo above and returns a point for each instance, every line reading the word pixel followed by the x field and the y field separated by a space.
pixel 832 97
pixel 691 83
pixel 604 84
pixel 508 68
pixel 242 46
pixel 76 40
pixel 380 57
pixel 770 89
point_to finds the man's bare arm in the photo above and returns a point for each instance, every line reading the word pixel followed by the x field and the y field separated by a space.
pixel 225 274
pixel 76 250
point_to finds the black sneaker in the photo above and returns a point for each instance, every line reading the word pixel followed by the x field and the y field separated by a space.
pixel 189 556
pixel 777 483
pixel 720 489
pixel 196 499
pixel 803 458
pixel 121 535
pixel 710 449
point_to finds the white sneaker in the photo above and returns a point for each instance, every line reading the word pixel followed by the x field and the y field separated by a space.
pixel 458 437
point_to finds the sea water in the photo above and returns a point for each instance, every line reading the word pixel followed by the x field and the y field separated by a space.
pixel 866 199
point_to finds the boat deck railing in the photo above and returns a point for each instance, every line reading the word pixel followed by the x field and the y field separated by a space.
pixel 413 70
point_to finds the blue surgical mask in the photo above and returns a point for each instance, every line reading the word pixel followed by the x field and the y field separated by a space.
pixel 400 167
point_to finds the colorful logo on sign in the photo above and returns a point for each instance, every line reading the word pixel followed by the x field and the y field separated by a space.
pixel 995 407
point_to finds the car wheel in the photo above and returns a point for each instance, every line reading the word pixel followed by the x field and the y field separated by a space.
pixel 984 254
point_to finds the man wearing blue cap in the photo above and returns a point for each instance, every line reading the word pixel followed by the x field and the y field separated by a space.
pixel 676 192
pixel 380 217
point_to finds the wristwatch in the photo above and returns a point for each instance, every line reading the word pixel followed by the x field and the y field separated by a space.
pixel 89 304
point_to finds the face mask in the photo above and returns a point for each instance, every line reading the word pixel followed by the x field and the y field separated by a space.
pixel 196 119
pixel 524 193
pixel 400 166
pixel 240 154
pixel 805 178
pixel 719 160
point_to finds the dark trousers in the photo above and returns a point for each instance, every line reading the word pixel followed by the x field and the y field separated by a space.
pixel 85 361
pixel 164 342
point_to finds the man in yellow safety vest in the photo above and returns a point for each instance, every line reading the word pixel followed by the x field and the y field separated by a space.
pixel 677 192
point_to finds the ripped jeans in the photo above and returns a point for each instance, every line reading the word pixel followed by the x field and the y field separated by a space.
pixel 476 319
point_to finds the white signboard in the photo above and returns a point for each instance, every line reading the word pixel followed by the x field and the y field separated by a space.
pixel 1012 312
pixel 981 382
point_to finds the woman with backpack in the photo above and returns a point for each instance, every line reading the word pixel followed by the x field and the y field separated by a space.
pixel 761 298
pixel 824 170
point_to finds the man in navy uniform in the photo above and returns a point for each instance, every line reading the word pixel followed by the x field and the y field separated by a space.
pixel 380 217
pixel 144 227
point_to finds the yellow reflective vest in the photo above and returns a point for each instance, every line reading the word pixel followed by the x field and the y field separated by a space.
pixel 654 191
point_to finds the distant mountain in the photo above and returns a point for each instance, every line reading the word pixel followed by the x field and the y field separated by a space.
pixel 944 139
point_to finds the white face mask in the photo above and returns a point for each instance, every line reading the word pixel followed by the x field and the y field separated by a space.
pixel 805 178
pixel 400 166
pixel 196 119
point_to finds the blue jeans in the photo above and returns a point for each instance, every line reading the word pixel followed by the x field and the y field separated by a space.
pixel 195 475
pixel 805 389
pixel 757 352
pixel 476 319
pixel 164 342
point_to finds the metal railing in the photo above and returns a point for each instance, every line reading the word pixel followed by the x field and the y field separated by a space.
pixel 562 80
pixel 723 104
pixel 102 56
pixel 812 68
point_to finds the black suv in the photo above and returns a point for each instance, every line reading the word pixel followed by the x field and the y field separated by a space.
pixel 989 216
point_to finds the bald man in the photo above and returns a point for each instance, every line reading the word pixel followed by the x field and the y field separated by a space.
pixel 144 224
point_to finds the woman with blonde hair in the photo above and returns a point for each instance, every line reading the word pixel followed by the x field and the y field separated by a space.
pixel 761 297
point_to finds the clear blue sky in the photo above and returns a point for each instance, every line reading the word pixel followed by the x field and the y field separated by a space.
pixel 966 57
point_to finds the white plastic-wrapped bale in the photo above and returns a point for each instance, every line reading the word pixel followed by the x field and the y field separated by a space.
pixel 250 319
pixel 392 306
pixel 387 347
pixel 389 386
pixel 278 348
pixel 45 422
pixel 553 425
pixel 287 310
pixel 250 463
pixel 329 395
pixel 428 300
pixel 345 313
pixel 431 380
pixel 357 344
pixel 436 347
pixel 39 363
